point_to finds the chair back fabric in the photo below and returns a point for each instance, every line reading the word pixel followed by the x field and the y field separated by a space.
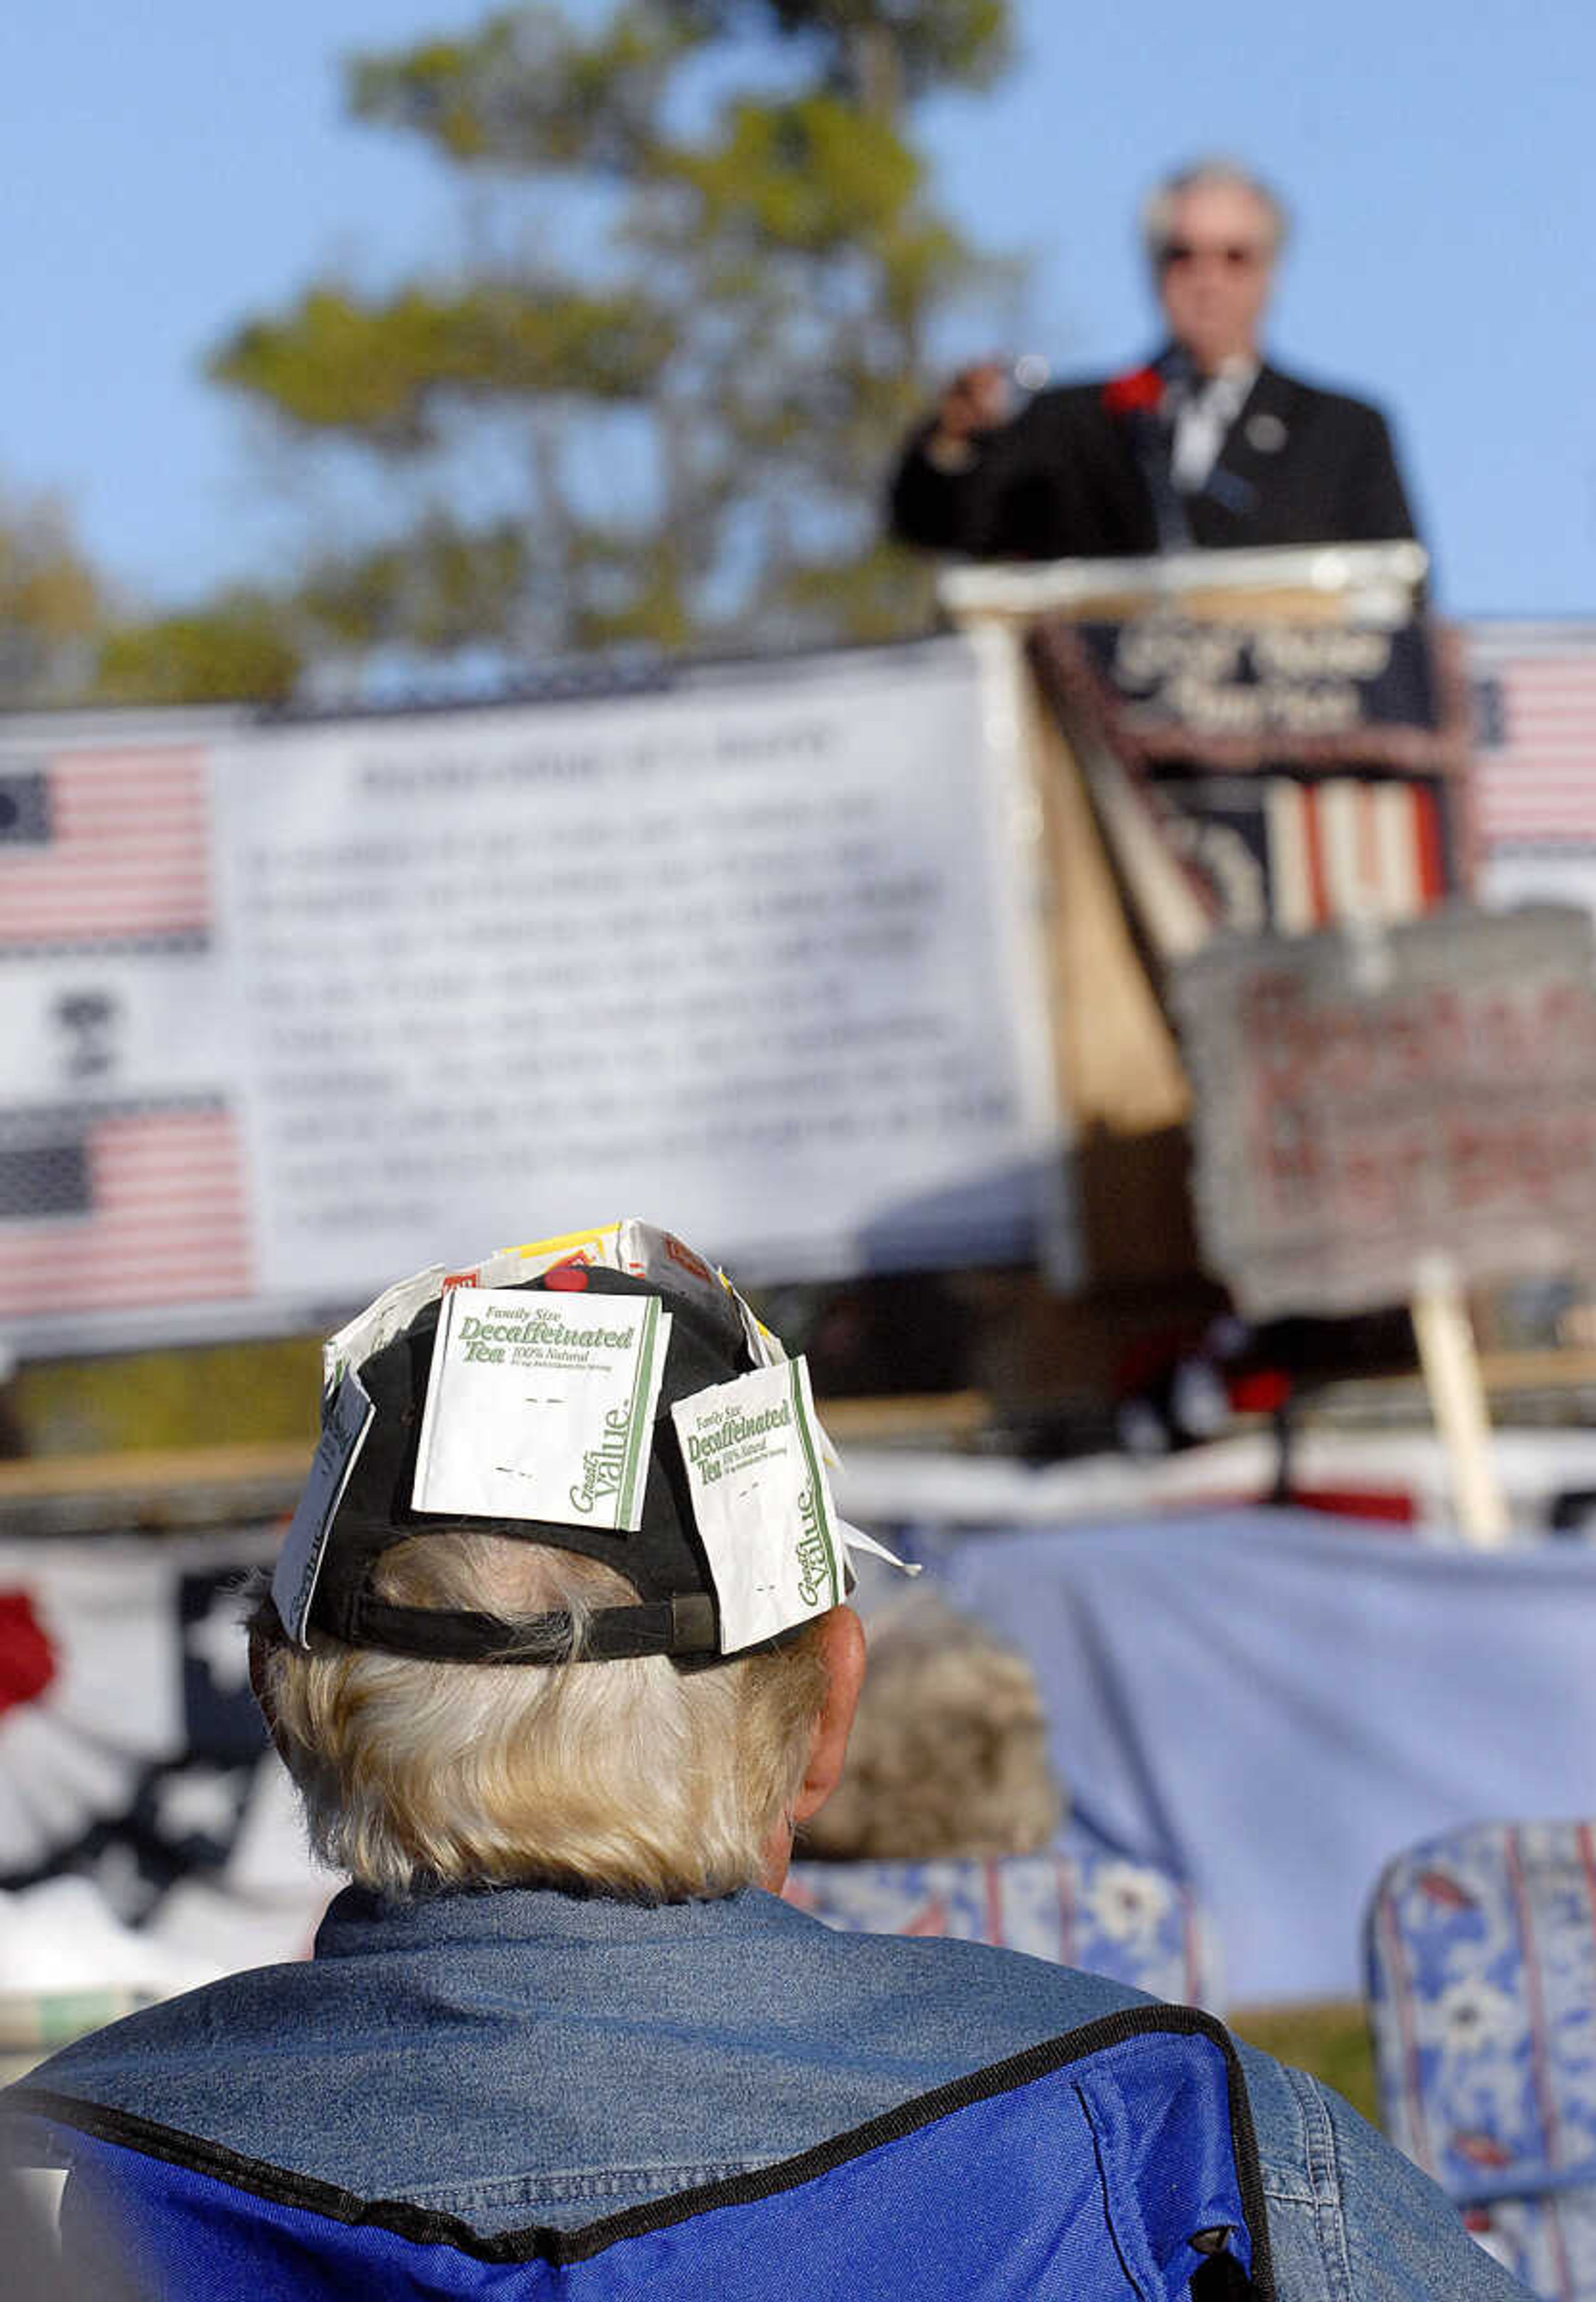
pixel 1077 1906
pixel 1480 1956
pixel 1115 2163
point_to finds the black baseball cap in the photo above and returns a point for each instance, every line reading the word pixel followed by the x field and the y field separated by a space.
pixel 676 1612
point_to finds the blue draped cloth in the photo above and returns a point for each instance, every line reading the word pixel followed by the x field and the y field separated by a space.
pixel 1271 1704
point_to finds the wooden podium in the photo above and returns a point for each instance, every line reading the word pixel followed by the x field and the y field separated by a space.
pixel 1267 741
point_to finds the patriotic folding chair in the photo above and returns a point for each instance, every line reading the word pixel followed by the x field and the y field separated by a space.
pixel 1480 1949
pixel 1075 1905
pixel 1117 2162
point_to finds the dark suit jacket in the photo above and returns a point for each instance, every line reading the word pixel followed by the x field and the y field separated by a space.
pixel 1062 481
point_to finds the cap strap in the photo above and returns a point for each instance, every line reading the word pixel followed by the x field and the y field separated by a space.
pixel 669 1627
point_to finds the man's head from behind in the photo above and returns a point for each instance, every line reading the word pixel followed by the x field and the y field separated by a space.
pixel 561 1603
pixel 629 1777
pixel 1213 235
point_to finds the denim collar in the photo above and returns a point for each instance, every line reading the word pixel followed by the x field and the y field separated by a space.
pixel 358 1922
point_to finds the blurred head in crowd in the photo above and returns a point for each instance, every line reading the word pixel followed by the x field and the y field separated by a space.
pixel 1213 235
pixel 949 1750
pixel 634 1778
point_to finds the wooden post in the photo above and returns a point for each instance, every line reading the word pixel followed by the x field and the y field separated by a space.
pixel 1451 1366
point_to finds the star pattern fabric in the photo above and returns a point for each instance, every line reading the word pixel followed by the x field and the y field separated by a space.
pixel 130 1744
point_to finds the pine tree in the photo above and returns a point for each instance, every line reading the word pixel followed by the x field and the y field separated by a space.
pixel 695 366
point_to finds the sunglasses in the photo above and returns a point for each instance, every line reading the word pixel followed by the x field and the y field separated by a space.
pixel 1236 256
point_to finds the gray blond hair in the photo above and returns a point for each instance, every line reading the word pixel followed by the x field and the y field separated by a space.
pixel 634 1777
pixel 948 1754
pixel 1158 208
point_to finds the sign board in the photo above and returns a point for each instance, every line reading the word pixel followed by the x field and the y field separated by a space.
pixel 1299 774
pixel 291 1008
pixel 1366 1103
pixel 1273 739
pixel 1248 692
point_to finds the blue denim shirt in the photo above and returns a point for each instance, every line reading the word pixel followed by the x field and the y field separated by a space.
pixel 518 2057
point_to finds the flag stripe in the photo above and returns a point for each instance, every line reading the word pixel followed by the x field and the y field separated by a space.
pixel 1427 847
pixel 1313 857
pixel 1371 855
pixel 1337 821
pixel 1401 891
pixel 127 854
pixel 1342 846
pixel 1292 897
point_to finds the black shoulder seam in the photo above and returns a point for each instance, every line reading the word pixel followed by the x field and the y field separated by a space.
pixel 279 2185
pixel 1015 2071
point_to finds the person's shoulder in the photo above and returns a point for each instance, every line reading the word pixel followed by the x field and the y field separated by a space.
pixel 1074 397
pixel 1322 400
pixel 1290 2119
pixel 1347 2213
pixel 1311 2142
pixel 135 2062
pixel 1022 1999
pixel 1078 390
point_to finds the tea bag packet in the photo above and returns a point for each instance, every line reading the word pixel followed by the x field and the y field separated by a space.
pixel 512 1267
pixel 644 1249
pixel 761 1501
pixel 767 1349
pixel 347 1415
pixel 542 1405
pixel 364 1336
pixel 663 1260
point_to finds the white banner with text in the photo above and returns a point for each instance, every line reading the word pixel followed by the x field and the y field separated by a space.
pixel 290 1009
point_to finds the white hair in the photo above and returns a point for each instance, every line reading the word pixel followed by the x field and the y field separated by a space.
pixel 1158 208
pixel 635 1778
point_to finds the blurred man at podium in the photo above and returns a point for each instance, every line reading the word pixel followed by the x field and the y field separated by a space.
pixel 1207 446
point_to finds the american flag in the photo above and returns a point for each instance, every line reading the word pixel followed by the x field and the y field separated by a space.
pixel 115 1208
pixel 1536 774
pixel 105 845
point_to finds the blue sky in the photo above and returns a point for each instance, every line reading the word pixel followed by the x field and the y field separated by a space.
pixel 174 167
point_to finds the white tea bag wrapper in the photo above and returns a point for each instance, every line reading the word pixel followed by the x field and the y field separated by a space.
pixel 542 1405
pixel 532 1258
pixel 764 1348
pixel 509 1268
pixel 645 1251
pixel 345 1420
pixel 761 1497
pixel 665 1261
pixel 854 1538
pixel 767 1349
pixel 364 1335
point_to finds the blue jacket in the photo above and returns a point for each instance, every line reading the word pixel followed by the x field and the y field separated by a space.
pixel 519 2056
